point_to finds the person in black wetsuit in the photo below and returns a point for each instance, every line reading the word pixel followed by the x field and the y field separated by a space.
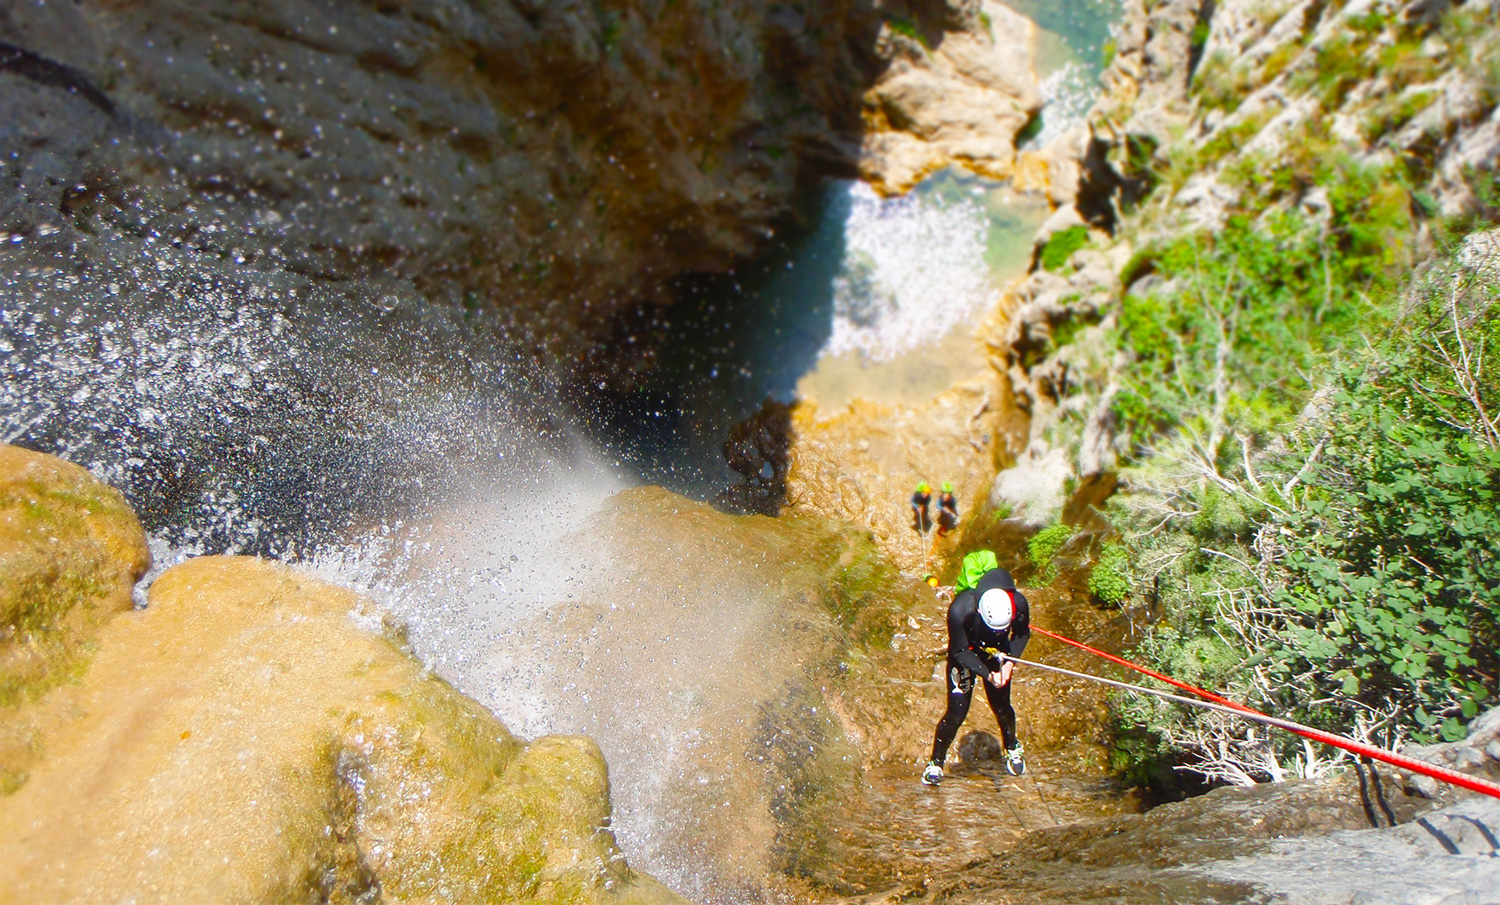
pixel 947 510
pixel 986 619
pixel 920 500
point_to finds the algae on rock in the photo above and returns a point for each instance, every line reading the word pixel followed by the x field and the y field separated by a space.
pixel 244 739
pixel 70 551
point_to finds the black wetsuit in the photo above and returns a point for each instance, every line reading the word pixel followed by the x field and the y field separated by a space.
pixel 947 512
pixel 972 656
pixel 920 520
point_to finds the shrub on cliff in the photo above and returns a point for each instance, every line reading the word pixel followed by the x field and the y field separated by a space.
pixel 1043 546
pixel 1341 575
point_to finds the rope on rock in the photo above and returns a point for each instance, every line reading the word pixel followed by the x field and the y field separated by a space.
pixel 1224 705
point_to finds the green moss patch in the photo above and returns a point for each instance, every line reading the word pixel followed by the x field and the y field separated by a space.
pixel 1061 245
pixel 70 549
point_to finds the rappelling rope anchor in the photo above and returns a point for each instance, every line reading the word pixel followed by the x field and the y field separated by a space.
pixel 1223 705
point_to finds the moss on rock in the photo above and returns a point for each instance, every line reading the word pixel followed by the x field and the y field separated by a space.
pixel 244 739
pixel 70 551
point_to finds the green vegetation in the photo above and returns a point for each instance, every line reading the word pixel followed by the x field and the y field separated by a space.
pixel 1109 581
pixel 907 28
pixel 1065 332
pixel 1200 34
pixel 1220 85
pixel 1311 494
pixel 1043 546
pixel 1345 578
pixel 1392 113
pixel 1061 245
pixel 1228 342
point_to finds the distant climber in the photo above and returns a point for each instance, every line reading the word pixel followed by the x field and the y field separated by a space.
pixel 947 510
pixel 920 500
pixel 988 617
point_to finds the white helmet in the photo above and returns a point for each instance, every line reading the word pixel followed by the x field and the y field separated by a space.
pixel 996 608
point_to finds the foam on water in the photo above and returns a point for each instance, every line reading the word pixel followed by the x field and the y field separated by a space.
pixel 913 268
pixel 1070 92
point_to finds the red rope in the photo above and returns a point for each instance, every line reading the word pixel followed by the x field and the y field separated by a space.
pixel 1472 783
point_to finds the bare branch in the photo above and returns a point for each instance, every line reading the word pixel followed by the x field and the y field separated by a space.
pixel 1312 458
pixel 1249 470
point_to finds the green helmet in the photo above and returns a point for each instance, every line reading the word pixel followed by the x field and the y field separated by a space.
pixel 923 488
pixel 947 487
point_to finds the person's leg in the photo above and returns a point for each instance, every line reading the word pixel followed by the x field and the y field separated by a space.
pixel 960 691
pixel 1005 714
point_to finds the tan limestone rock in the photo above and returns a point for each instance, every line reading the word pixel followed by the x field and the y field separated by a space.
pixel 70 550
pixel 962 100
pixel 245 739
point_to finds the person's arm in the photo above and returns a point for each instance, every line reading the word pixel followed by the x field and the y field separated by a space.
pixel 1020 632
pixel 958 641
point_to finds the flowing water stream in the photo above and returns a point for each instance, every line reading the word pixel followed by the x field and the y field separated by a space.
pixel 426 459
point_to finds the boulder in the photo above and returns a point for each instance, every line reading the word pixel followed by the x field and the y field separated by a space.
pixel 959 99
pixel 253 735
pixel 70 551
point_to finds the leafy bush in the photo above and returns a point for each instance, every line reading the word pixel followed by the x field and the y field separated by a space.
pixel 1388 574
pixel 1345 579
pixel 1043 546
pixel 1310 494
pixel 1110 579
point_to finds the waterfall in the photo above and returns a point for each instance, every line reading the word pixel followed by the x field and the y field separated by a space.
pixel 427 457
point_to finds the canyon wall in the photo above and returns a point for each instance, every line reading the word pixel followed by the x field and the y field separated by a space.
pixel 555 163
pixel 1213 110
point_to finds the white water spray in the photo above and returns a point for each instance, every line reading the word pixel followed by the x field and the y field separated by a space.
pixel 914 268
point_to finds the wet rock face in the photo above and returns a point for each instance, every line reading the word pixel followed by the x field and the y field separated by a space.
pixel 245 712
pixel 547 159
pixel 556 162
pixel 715 659
pixel 1366 835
